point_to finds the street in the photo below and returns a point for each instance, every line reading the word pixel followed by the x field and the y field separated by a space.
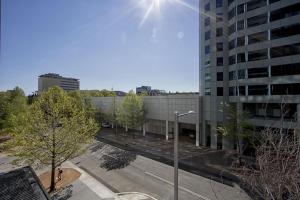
pixel 144 175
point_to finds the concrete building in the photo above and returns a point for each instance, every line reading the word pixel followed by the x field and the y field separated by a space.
pixel 250 57
pixel 49 80
pixel 160 114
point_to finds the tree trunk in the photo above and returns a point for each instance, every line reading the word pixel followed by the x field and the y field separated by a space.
pixel 52 185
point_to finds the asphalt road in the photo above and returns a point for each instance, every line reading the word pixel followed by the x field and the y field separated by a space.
pixel 153 178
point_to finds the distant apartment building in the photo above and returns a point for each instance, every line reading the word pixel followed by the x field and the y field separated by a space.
pixel 49 80
pixel 250 57
pixel 143 89
pixel 148 91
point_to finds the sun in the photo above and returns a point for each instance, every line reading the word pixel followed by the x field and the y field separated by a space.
pixel 153 7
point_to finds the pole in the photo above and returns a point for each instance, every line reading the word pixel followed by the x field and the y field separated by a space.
pixel 176 156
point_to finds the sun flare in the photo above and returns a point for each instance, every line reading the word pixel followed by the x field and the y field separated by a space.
pixel 154 6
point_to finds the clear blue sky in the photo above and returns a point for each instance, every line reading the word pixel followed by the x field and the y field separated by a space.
pixel 104 43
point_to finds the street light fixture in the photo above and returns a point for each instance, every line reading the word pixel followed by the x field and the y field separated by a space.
pixel 177 115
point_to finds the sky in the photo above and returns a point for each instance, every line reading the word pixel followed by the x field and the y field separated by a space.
pixel 119 44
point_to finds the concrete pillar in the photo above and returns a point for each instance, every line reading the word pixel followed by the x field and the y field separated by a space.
pixel 144 129
pixel 197 134
pixel 112 125
pixel 167 130
pixel 213 136
pixel 239 110
pixel 126 128
pixel 203 138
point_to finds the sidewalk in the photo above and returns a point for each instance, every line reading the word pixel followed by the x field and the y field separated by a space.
pixel 88 187
pixel 203 161
pixel 94 186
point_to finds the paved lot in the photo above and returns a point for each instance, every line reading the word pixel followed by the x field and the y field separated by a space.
pixel 215 164
pixel 151 177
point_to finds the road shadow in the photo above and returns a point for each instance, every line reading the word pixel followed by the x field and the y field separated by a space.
pixel 117 159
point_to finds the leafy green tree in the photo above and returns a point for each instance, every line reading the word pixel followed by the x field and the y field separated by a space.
pixel 237 128
pixel 13 104
pixel 53 130
pixel 3 109
pixel 131 111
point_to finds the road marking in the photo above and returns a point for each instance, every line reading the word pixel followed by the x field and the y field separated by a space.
pixel 180 187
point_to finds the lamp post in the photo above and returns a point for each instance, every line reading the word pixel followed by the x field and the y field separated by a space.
pixel 177 115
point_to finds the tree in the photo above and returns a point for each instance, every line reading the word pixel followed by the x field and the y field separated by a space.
pixel 53 130
pixel 3 109
pixel 276 174
pixel 13 104
pixel 131 111
pixel 237 128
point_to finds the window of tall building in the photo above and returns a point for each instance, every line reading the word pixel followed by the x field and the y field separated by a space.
pixel 232 91
pixel 240 9
pixel 231 13
pixel 241 57
pixel 285 12
pixel 285 89
pixel 258 37
pixel 207 7
pixel 219 76
pixel 285 70
pixel 258 72
pixel 219 32
pixel 231 29
pixel 242 90
pixel 219 3
pixel 231 60
pixel 232 75
pixel 258 90
pixel 207 76
pixel 231 44
pixel 207 62
pixel 207 49
pixel 273 1
pixel 219 17
pixel 219 91
pixel 254 4
pixel 207 35
pixel 240 25
pixel 241 74
pixel 207 21
pixel 220 46
pixel 207 91
pixel 240 41
pixel 257 20
pixel 220 61
pixel 287 50
pixel 258 55
pixel 285 31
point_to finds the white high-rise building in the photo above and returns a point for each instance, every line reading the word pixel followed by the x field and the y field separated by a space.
pixel 49 80
pixel 250 57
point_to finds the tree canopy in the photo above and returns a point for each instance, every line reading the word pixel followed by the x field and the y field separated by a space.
pixel 131 111
pixel 53 130
pixel 13 103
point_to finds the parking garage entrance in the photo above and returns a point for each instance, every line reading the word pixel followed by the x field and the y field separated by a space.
pixel 187 132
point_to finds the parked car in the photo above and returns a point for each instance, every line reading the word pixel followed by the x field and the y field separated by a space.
pixel 105 125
